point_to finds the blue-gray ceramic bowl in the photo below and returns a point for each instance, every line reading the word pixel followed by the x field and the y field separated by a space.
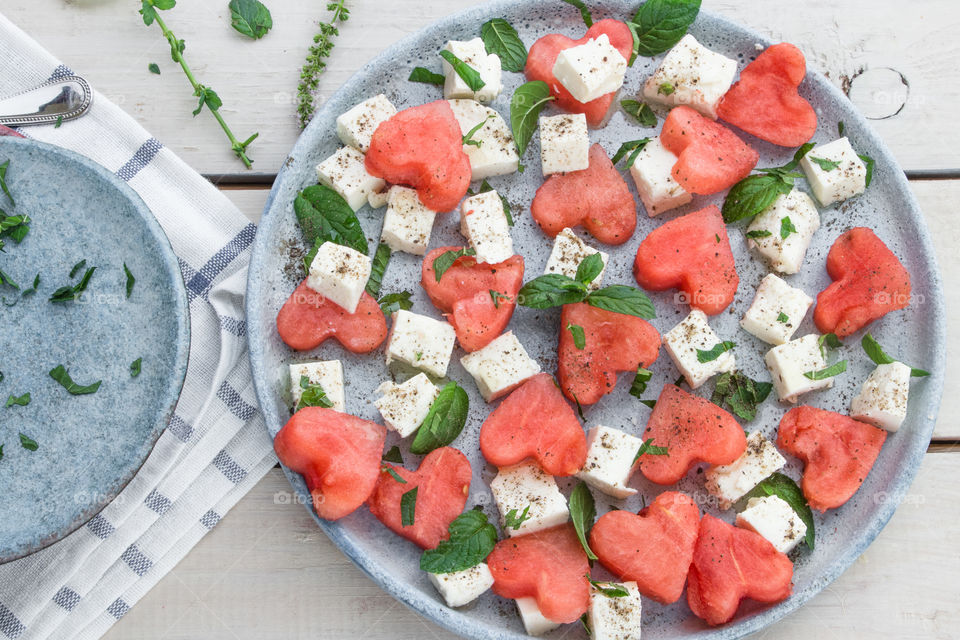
pixel 916 334
pixel 90 446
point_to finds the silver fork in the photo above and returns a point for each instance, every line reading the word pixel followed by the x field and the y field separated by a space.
pixel 55 101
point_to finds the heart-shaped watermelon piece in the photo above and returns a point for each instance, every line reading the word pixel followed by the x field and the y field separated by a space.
pixel 307 318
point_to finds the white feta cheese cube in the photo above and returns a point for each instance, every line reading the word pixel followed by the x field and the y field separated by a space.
pixel 882 400
pixel 474 53
pixel 378 199
pixel 407 224
pixel 615 618
pixel 652 172
pixel 495 153
pixel 340 274
pixel 355 127
pixel 346 173
pixel 405 406
pixel 766 232
pixel 463 587
pixel 421 342
pixel 591 70
pixel 774 519
pixel 776 311
pixel 326 373
pixel 564 143
pixel 682 343
pixel 839 174
pixel 484 223
pixel 788 362
pixel 525 487
pixel 730 482
pixel 534 621
pixel 692 75
pixel 610 460
pixel 567 254
pixel 500 367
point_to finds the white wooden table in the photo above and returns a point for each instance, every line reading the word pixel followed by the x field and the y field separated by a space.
pixel 266 571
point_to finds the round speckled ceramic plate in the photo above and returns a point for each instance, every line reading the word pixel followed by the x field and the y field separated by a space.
pixel 915 334
pixel 90 446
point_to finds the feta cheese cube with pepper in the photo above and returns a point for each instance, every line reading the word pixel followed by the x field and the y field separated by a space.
pixel 346 173
pixel 835 171
pixel 355 127
pixel 421 342
pixel 483 222
pixel 326 373
pixel 407 224
pixel 789 362
pixel 535 623
pixel 462 587
pixel 611 454
pixel 686 345
pixel 781 233
pixel 882 400
pixel 591 70
pixel 564 143
pixel 500 367
pixel 339 274
pixel 405 406
pixel 776 311
pixel 524 492
pixel 615 617
pixel 474 54
pixel 491 148
pixel 652 172
pixel 567 254
pixel 730 482
pixel 693 75
pixel 774 519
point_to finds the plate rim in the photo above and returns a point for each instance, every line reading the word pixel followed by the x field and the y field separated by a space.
pixel 458 622
pixel 184 335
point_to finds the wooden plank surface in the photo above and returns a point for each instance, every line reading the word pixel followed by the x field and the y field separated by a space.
pixel 852 41
pixel 268 572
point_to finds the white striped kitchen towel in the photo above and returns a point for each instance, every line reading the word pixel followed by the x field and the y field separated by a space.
pixel 215 448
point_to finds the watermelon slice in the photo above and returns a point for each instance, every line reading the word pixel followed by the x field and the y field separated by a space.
pixel 838 452
pixel 478 298
pixel 549 566
pixel 535 421
pixel 730 564
pixel 337 454
pixel 613 342
pixel 765 101
pixel 693 430
pixel 307 319
pixel 710 157
pixel 423 147
pixel 543 55
pixel 597 197
pixel 691 253
pixel 442 483
pixel 869 282
pixel 653 548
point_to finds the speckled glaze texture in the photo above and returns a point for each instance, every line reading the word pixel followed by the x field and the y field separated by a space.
pixel 915 334
pixel 90 446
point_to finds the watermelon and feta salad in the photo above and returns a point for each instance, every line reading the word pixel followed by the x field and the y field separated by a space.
pixel 558 539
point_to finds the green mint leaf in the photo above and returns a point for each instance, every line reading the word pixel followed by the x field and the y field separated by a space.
pixel 525 106
pixel 250 17
pixel 444 421
pixel 583 512
pixel 649 403
pixel 393 455
pixel 786 489
pixel 14 227
pixel 59 373
pixel 21 401
pixel 631 147
pixel 624 299
pixel 841 127
pixel 1 458
pixel 876 353
pixel 499 37
pixel 783 318
pixel 823 163
pixel 759 233
pixel 467 73
pixel 828 341
pixel 741 394
pixel 312 395
pixel 135 367
pixel 208 97
pixel 579 338
pixel 471 540
pixel 325 216
pixel 468 139
pixel 77 268
pixel 640 381
pixel 3 181
pixel 661 23
pixel 513 521
pixel 394 302
pixel 831 371
pixel 870 163
pixel 424 75
pixel 6 280
pixel 393 473
pixel 801 151
pixel 69 294
pixel 497 297
pixel 589 268
pixel 584 11
pixel 786 227
pixel 753 194
pixel 641 111
pixel 408 507
pixel 648 448
pixel 28 443
pixel 666 88
pixel 153 67
pixel 609 589
pixel 484 187
pixel 378 267
pixel 586 625
pixel 551 290
pixel 446 259
pixel 130 280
